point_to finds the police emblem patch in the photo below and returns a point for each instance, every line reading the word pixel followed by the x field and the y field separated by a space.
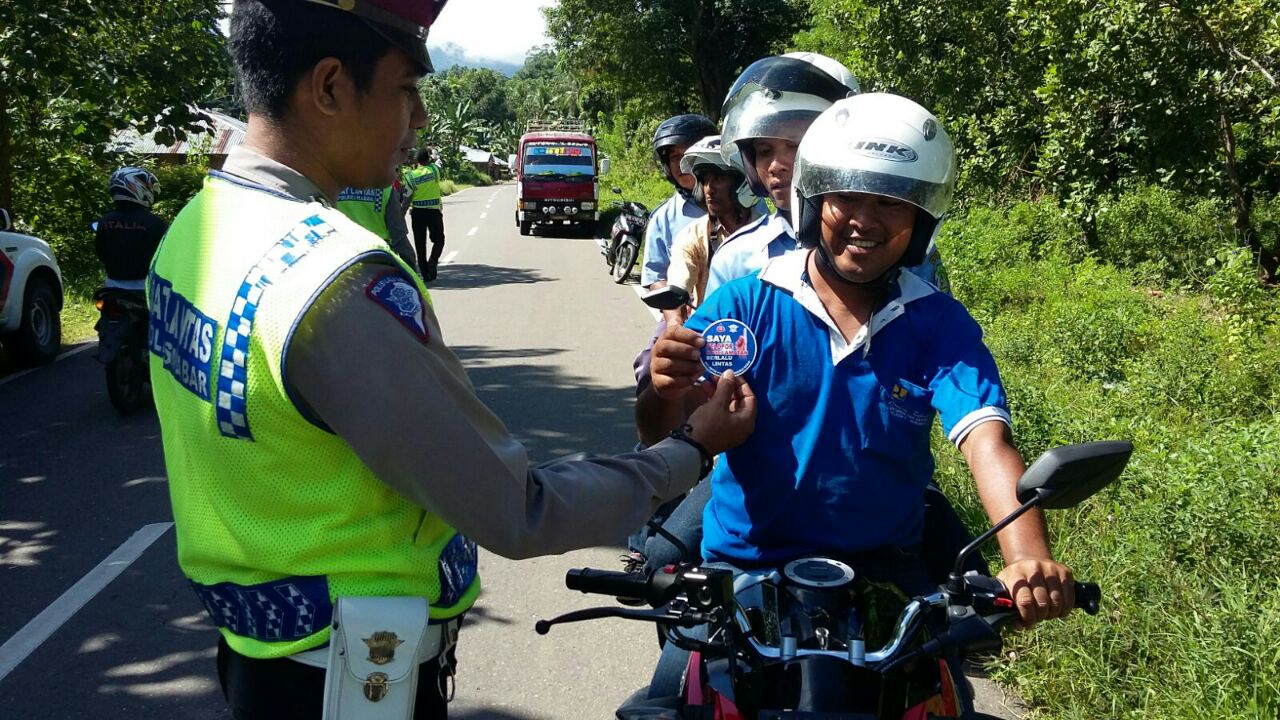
pixel 397 295
pixel 729 345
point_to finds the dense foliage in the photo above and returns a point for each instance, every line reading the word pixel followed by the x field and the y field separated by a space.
pixel 1082 99
pixel 72 73
pixel 1185 545
pixel 666 56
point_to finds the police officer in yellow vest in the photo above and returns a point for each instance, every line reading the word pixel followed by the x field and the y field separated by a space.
pixel 289 349
pixel 423 180
pixel 379 212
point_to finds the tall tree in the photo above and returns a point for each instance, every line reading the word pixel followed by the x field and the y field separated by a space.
pixel 72 72
pixel 667 55
pixel 1079 97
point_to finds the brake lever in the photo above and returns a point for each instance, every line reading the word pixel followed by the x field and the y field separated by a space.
pixel 542 627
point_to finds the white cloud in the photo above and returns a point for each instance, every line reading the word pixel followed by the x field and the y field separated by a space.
pixel 492 29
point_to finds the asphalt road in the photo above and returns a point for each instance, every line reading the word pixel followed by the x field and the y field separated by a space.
pixel 96 621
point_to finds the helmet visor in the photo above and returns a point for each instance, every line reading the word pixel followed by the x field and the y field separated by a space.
pixel 766 114
pixel 788 75
pixel 813 179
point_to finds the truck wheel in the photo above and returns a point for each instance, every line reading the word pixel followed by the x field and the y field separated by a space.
pixel 39 337
pixel 622 262
pixel 526 227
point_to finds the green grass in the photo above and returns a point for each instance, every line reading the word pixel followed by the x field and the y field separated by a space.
pixel 1185 545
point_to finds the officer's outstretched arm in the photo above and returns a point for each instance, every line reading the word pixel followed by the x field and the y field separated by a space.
pixel 391 388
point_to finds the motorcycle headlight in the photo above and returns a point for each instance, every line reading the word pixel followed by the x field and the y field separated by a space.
pixel 588 206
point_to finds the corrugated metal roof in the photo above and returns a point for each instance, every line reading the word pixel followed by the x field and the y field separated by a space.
pixel 220 135
pixel 476 156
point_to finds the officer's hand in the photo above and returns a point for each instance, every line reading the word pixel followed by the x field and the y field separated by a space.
pixel 676 361
pixel 728 418
pixel 1041 590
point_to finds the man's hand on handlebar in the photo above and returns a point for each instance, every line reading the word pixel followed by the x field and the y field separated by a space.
pixel 1041 589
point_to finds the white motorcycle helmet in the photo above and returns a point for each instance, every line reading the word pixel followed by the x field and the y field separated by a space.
pixel 133 184
pixel 707 152
pixel 879 144
pixel 778 97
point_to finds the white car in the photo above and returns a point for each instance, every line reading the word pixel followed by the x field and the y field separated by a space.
pixel 30 296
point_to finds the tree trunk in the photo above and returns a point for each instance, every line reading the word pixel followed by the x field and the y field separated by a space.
pixel 6 153
pixel 708 53
pixel 1241 202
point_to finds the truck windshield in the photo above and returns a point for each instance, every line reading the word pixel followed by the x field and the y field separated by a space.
pixel 559 162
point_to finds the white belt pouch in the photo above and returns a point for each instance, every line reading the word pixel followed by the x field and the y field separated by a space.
pixel 374 652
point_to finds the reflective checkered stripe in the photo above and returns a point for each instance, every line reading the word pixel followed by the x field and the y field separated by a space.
pixel 233 377
pixel 295 608
pixel 277 611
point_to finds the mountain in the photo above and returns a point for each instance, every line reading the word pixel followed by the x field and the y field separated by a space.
pixel 447 55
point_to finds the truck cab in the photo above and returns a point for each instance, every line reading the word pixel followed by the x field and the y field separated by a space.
pixel 557 170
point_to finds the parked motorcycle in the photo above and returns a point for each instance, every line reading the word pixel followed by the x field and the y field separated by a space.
pixel 122 346
pixel 791 642
pixel 622 247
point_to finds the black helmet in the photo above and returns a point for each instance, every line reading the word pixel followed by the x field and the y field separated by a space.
pixel 679 130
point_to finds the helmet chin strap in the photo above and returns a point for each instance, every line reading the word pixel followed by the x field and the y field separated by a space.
pixel 877 283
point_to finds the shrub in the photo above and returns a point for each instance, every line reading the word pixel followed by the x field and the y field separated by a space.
pixel 1184 545
pixel 1168 238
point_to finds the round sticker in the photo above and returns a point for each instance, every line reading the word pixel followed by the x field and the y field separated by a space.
pixel 730 345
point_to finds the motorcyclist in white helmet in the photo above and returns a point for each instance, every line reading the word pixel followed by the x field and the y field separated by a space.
pixel 126 238
pixel 766 113
pixel 853 360
pixel 723 191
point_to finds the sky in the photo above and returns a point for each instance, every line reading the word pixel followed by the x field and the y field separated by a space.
pixel 491 29
pixel 486 29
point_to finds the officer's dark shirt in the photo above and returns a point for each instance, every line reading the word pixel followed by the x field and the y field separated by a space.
pixel 127 239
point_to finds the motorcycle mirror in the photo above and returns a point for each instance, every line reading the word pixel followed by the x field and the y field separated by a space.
pixel 5 223
pixel 1061 478
pixel 1066 476
pixel 616 190
pixel 668 297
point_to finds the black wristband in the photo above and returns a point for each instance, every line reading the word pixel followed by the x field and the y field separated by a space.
pixel 680 433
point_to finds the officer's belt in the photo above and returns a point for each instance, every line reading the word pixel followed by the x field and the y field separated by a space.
pixel 440 637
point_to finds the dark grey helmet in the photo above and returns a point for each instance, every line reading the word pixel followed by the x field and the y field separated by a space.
pixel 679 130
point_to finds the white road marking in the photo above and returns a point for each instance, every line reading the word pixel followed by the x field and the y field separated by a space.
pixel 473 231
pixel 484 215
pixel 449 258
pixel 75 350
pixel 33 634
pixel 655 312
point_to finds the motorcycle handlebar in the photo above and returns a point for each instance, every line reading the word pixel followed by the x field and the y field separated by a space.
pixel 607 582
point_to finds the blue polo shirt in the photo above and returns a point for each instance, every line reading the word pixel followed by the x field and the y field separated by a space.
pixel 748 249
pixel 665 222
pixel 839 459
